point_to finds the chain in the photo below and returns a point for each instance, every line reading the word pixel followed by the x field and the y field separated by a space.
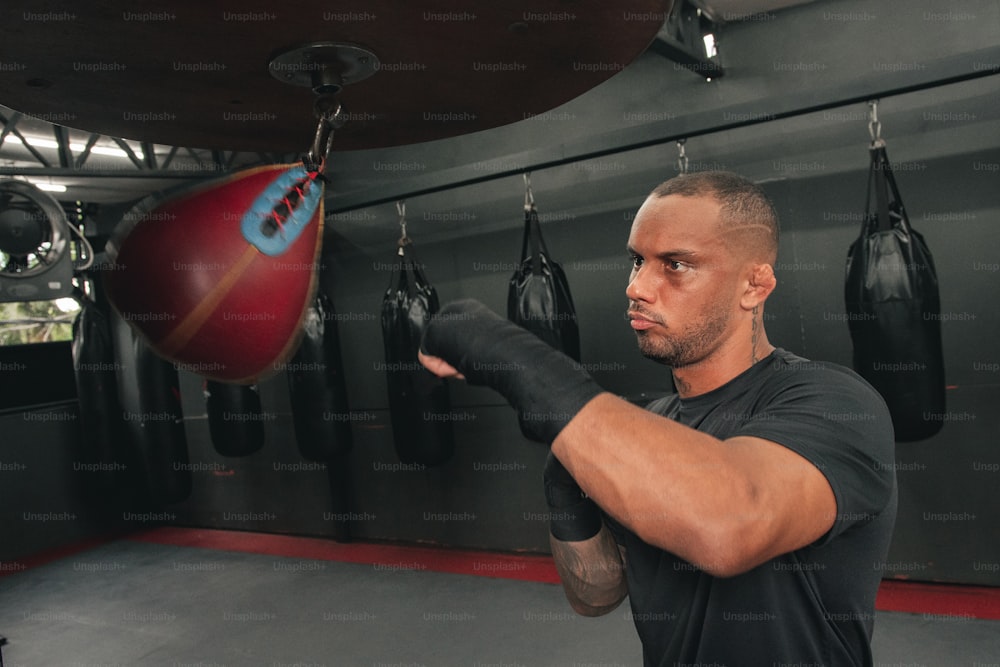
pixel 401 210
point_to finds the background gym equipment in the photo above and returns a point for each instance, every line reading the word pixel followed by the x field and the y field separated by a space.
pixel 149 395
pixel 538 296
pixel 893 306
pixel 102 429
pixel 234 418
pixel 218 276
pixel 416 396
pixel 317 388
pixel 35 259
pixel 321 415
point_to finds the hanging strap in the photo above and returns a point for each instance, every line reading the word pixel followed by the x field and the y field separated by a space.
pixel 407 270
pixel 881 164
pixel 405 253
pixel 882 179
pixel 533 235
pixel 904 221
pixel 877 182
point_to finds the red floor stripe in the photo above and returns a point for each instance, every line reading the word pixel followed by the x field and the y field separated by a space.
pixel 939 599
pixel 10 567
pixel 383 556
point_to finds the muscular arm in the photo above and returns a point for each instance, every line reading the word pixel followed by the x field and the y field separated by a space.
pixel 592 573
pixel 723 505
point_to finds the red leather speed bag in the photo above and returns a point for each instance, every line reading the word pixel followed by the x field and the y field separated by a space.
pixel 218 276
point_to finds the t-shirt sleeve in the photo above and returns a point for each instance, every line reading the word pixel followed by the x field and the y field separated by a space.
pixel 840 424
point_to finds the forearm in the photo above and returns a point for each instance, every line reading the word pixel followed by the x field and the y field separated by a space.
pixel 592 573
pixel 674 487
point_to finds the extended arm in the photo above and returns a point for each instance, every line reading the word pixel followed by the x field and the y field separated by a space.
pixel 725 506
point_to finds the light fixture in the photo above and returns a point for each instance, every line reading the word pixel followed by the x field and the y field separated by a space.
pixel 48 187
pixel 710 49
pixel 37 142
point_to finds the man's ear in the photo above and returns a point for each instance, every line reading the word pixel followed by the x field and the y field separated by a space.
pixel 760 285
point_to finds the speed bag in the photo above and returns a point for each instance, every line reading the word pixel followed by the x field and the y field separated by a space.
pixel 94 367
pixel 320 413
pixel 538 297
pixel 235 418
pixel 418 400
pixel 893 310
pixel 149 395
pixel 217 276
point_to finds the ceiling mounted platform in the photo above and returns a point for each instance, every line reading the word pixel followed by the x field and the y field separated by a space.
pixel 198 75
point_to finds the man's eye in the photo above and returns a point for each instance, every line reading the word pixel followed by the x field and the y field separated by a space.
pixel 676 266
pixel 636 261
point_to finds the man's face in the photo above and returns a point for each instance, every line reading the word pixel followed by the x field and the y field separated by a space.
pixel 685 283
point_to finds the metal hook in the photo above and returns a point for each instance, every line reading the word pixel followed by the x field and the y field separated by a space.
pixel 874 125
pixel 328 110
pixel 529 197
pixel 682 158
pixel 401 210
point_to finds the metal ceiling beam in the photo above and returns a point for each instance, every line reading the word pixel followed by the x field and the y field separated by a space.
pixel 82 174
pixel 82 157
pixel 148 154
pixel 10 127
pixel 62 139
pixel 146 167
pixel 170 157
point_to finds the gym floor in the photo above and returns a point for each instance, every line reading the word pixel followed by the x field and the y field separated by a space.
pixel 185 597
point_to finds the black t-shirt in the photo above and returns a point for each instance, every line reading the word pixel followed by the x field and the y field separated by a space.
pixel 813 606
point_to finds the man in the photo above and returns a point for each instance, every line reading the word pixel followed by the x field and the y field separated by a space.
pixel 745 517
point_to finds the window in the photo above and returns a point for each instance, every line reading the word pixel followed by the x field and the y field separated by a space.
pixel 29 322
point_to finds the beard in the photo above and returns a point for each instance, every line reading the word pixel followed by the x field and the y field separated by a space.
pixel 684 345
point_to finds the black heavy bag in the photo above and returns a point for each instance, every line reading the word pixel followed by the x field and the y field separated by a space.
pixel 94 367
pixel 418 400
pixel 149 394
pixel 320 412
pixel 234 418
pixel 893 310
pixel 538 297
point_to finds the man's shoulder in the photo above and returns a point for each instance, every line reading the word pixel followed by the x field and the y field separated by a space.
pixel 823 389
pixel 789 368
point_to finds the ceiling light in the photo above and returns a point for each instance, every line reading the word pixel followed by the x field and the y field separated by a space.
pixel 106 150
pixel 710 49
pixel 37 142
pixel 49 187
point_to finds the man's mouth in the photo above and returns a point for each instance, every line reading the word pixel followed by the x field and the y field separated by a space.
pixel 640 322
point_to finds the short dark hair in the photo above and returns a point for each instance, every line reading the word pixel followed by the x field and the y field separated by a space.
pixel 744 203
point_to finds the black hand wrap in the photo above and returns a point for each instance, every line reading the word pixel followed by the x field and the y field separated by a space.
pixel 546 387
pixel 575 517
